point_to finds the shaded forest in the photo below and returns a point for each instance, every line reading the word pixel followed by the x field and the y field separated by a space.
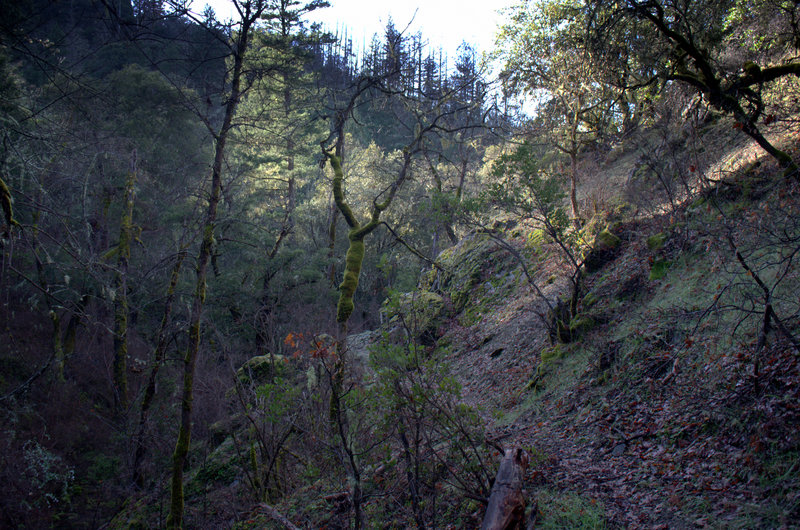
pixel 245 269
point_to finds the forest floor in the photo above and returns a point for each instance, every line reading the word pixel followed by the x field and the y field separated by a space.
pixel 655 417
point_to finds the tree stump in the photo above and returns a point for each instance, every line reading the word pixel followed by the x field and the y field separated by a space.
pixel 506 508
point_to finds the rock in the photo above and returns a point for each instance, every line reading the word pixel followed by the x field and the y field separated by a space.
pixel 260 368
pixel 466 264
pixel 420 313
pixel 602 250
pixel 657 241
pixel 358 346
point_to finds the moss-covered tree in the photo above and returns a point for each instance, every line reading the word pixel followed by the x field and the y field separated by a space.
pixel 687 42
pixel 123 254
pixel 250 11
pixel 425 119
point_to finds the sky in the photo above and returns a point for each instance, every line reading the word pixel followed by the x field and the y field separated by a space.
pixel 443 23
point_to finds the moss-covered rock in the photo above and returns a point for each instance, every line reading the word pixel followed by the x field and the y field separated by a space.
pixel 259 369
pixel 656 242
pixel 220 468
pixel 602 250
pixel 420 313
pixel 466 264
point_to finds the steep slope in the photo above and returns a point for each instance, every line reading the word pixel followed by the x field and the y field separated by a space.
pixel 672 406
pixel 667 412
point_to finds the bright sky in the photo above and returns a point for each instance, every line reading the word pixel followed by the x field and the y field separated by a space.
pixel 443 23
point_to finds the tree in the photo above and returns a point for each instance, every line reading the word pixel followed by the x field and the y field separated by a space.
pixel 276 141
pixel 421 122
pixel 250 11
pixel 123 254
pixel 524 189
pixel 547 57
pixel 689 40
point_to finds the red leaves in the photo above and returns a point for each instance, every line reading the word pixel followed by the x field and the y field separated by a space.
pixel 315 348
pixel 293 339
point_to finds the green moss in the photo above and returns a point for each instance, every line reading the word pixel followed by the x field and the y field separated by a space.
pixel 657 241
pixel 580 325
pixel 659 269
pixel 606 240
pixel 589 300
pixel 466 264
pixel 601 250
pixel 421 312
pixel 552 353
pixel 353 260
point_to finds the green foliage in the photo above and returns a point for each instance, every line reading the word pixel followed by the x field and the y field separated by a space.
pixel 103 467
pixel 437 441
pixel 522 187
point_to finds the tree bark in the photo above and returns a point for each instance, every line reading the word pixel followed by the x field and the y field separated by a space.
pixel 123 252
pixel 506 508
pixel 251 12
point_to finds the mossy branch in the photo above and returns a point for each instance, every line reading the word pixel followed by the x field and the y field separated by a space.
pixel 338 191
pixel 756 75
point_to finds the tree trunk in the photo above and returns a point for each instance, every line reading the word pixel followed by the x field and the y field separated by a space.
pixel 121 297
pixel 573 187
pixel 175 517
pixel 158 358
pixel 506 508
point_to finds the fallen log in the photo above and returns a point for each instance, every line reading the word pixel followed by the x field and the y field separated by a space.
pixel 506 509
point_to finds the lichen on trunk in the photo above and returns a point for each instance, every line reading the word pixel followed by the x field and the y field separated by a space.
pixel 123 253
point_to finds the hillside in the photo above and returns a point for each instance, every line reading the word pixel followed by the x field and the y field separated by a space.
pixel 256 275
pixel 663 411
